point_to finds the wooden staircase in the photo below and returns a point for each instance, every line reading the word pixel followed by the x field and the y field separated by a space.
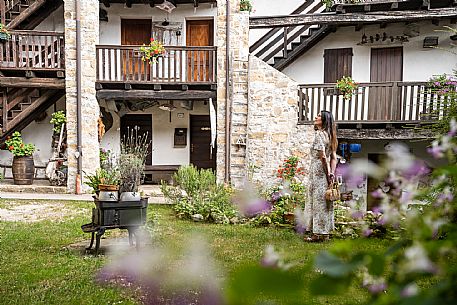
pixel 21 106
pixel 26 14
pixel 281 46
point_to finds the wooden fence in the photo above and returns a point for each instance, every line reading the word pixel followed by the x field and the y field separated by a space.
pixel 389 102
pixel 178 65
pixel 33 50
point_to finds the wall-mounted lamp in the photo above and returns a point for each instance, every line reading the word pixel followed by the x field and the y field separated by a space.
pixel 430 41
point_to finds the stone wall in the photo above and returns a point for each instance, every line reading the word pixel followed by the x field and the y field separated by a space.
pixel 90 110
pixel 273 133
pixel 264 107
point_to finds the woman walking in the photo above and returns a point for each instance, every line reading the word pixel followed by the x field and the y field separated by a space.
pixel 319 213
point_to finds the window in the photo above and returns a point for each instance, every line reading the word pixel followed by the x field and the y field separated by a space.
pixel 337 63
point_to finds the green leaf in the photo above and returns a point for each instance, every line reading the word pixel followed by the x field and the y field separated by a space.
pixel 376 264
pixel 326 285
pixel 249 282
pixel 334 266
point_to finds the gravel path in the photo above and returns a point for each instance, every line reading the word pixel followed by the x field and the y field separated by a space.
pixel 35 211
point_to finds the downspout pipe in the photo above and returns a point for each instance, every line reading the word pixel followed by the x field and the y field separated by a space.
pixel 78 98
pixel 228 100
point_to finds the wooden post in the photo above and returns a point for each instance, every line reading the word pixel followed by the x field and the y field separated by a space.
pixel 4 111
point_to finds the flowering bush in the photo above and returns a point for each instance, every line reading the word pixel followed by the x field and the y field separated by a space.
pixel 289 169
pixel 445 87
pixel 245 6
pixel 4 33
pixel 152 51
pixel 443 84
pixel 347 86
pixel 17 147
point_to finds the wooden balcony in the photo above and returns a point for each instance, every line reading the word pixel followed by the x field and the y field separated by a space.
pixel 373 103
pixel 181 66
pixel 33 51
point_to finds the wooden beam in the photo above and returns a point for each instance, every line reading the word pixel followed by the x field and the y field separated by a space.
pixel 128 3
pixel 381 134
pixel 349 18
pixel 152 3
pixel 50 83
pixel 25 14
pixel 158 95
pixel 106 3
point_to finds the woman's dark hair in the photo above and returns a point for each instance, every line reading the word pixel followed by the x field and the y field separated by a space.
pixel 328 124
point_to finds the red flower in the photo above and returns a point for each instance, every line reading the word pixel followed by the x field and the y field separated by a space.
pixel 11 147
pixel 152 39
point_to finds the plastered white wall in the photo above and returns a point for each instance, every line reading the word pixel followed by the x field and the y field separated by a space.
pixel 419 64
pixel 271 8
pixel 163 152
pixel 39 134
pixel 54 22
pixel 110 32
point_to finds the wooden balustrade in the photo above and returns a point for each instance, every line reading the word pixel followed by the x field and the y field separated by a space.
pixel 33 50
pixel 389 102
pixel 178 65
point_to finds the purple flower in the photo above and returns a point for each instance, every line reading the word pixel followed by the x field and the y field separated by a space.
pixel 378 193
pixel 255 207
pixel 357 215
pixel 418 168
pixel 445 197
pixel 436 151
pixel 409 290
pixel 367 232
pixel 377 288
pixel 376 211
pixel 275 196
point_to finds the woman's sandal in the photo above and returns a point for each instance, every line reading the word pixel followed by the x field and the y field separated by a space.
pixel 313 239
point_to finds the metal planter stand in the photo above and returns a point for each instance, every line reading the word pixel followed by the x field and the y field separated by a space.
pixel 106 215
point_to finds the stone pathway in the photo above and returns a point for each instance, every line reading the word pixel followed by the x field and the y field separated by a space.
pixel 37 211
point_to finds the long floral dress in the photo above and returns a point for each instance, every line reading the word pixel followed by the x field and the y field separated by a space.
pixel 319 213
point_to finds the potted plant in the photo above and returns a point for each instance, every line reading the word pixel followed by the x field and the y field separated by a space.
pixel 134 150
pixel 4 33
pixel 23 167
pixel 152 51
pixel 245 6
pixel 105 184
pixel 346 85
pixel 58 118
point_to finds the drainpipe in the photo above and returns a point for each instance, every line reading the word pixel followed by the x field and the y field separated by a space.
pixel 228 104
pixel 78 99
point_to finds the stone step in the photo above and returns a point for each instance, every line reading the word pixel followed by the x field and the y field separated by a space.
pixel 41 189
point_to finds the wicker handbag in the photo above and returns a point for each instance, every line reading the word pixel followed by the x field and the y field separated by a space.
pixel 333 192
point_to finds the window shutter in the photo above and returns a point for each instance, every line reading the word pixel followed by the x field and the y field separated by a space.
pixel 337 63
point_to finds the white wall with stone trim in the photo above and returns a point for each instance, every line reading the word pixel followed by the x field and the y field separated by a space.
pixel 89 104
pixel 419 63
pixel 110 31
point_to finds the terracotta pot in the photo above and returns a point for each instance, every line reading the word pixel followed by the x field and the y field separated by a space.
pixel 108 187
pixel 289 217
pixel 23 170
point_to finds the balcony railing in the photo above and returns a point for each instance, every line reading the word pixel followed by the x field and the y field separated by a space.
pixel 178 65
pixel 33 50
pixel 389 102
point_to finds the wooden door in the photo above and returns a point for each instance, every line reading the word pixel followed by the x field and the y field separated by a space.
pixel 201 155
pixel 199 33
pixel 386 66
pixel 141 124
pixel 135 32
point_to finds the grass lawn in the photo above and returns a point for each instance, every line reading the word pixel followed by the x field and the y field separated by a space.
pixel 38 267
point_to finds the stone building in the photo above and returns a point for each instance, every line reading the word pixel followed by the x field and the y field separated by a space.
pixel 265 77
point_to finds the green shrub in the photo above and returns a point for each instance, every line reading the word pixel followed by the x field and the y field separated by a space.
pixel 197 192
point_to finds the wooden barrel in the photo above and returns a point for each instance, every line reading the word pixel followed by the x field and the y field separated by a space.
pixel 23 170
